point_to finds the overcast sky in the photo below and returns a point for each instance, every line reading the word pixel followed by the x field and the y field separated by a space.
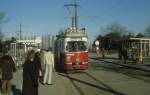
pixel 49 16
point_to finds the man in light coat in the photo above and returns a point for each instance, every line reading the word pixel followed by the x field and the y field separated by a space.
pixel 49 65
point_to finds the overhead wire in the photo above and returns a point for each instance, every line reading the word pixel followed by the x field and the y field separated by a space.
pixel 107 10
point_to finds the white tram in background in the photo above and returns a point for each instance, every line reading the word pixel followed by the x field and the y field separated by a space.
pixel 71 50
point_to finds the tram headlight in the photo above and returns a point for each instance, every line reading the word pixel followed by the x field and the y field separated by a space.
pixel 68 58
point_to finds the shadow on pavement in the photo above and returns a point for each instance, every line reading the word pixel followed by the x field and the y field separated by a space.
pixel 15 90
pixel 0 85
pixel 107 89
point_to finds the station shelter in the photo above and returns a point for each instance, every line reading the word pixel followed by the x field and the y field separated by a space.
pixel 19 48
pixel 141 45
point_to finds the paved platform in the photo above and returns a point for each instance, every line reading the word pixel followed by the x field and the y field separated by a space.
pixel 100 79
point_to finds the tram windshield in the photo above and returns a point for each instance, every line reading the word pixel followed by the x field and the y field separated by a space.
pixel 74 46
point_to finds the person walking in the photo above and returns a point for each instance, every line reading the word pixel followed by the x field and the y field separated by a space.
pixel 103 52
pixel 97 49
pixel 30 74
pixel 49 62
pixel 125 55
pixel 37 61
pixel 42 53
pixel 7 68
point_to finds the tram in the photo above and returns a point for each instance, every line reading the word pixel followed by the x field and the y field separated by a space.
pixel 71 51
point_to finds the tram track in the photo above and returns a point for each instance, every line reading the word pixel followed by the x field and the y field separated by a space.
pixel 132 71
pixel 128 66
pixel 105 87
pixel 90 81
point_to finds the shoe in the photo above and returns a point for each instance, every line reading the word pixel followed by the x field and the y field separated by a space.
pixel 43 83
pixel 49 84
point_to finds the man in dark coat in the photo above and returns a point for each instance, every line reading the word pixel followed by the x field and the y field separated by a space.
pixel 125 55
pixel 30 74
pixel 7 68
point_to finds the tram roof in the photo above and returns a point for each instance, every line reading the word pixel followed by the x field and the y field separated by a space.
pixel 72 34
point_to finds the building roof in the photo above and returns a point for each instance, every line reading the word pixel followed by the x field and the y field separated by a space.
pixel 148 39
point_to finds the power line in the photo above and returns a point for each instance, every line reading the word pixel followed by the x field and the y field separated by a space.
pixel 112 7
pixel 107 10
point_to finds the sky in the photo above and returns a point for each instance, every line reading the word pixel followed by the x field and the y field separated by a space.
pixel 49 16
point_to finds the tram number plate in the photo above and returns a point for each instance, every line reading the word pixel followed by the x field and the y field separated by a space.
pixel 77 66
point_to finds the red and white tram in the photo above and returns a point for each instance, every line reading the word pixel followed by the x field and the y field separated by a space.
pixel 71 46
pixel 71 50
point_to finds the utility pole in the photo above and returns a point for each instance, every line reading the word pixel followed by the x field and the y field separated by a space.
pixel 20 32
pixel 74 15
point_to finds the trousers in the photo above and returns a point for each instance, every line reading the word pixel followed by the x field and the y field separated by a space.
pixel 48 74
pixel 6 87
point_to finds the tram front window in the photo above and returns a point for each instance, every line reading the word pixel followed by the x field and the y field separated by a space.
pixel 74 46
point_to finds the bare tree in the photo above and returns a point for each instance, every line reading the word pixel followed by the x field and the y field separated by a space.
pixel 115 28
pixel 140 35
pixel 2 21
pixel 147 31
pixel 112 35
pixel 2 17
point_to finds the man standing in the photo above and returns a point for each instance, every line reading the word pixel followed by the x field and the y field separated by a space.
pixel 7 69
pixel 49 62
pixel 125 55
pixel 97 48
pixel 31 73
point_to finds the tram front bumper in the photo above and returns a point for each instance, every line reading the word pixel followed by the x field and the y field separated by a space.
pixel 76 67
